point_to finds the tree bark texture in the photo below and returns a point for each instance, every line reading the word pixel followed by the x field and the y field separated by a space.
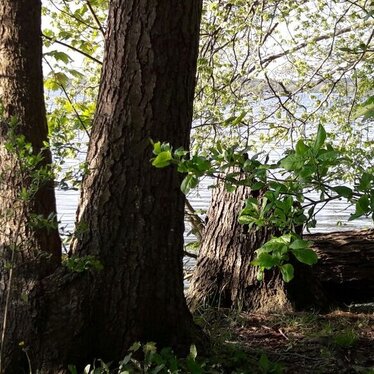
pixel 21 97
pixel 134 212
pixel 131 214
pixel 224 276
pixel 27 253
pixel 346 265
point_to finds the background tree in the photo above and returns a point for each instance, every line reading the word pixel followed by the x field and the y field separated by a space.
pixel 28 251
pixel 273 81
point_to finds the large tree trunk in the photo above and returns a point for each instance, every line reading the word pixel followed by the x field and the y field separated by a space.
pixel 132 212
pixel 27 253
pixel 223 274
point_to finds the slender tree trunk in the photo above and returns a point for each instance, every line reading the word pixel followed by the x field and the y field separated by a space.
pixel 27 253
pixel 223 274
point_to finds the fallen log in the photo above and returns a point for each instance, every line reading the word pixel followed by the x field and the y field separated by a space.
pixel 346 264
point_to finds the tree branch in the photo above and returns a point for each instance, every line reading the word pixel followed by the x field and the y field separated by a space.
pixel 73 49
pixel 96 19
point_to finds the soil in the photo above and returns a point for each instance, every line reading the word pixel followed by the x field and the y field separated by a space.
pixel 337 342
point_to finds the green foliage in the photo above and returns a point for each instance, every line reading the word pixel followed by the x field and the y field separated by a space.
pixel 266 366
pixel 29 164
pixel 152 362
pixel 79 264
pixel 366 109
pixel 281 203
pixel 276 252
pixel 345 339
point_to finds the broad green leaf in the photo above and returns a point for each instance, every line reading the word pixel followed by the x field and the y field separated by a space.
pixel 320 138
pixel 190 181
pixel 301 148
pixel 163 159
pixel 265 260
pixel 246 219
pixel 287 272
pixel 362 205
pixel 292 162
pixel 307 171
pixel 328 156
pixel 365 181
pixel 157 148
pixel 59 56
pixel 201 163
pixel 344 191
pixel 306 256
pixel 300 244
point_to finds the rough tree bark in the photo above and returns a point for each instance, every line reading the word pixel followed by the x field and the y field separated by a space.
pixel 346 265
pixel 132 211
pixel 223 274
pixel 27 254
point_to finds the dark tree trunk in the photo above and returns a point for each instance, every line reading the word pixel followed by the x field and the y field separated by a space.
pixel 27 253
pixel 133 212
pixel 223 274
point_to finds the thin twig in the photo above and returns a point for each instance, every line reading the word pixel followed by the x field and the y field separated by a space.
pixel 96 19
pixel 73 49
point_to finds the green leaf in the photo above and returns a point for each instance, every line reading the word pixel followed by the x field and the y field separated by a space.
pixel 287 272
pixel 366 109
pixel 306 256
pixel 265 260
pixel 300 244
pixel 72 369
pixel 246 219
pixel 343 191
pixel 189 182
pixel 193 352
pixel 157 148
pixel 238 119
pixel 301 148
pixel 59 56
pixel 362 205
pixel 365 182
pixel 320 138
pixel 229 187
pixel 201 163
pixel 328 155
pixel 135 347
pixel 292 162
pixel 163 159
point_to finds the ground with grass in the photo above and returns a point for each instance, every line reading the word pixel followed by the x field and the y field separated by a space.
pixel 338 342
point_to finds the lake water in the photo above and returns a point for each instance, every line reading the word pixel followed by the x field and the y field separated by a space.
pixel 332 218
